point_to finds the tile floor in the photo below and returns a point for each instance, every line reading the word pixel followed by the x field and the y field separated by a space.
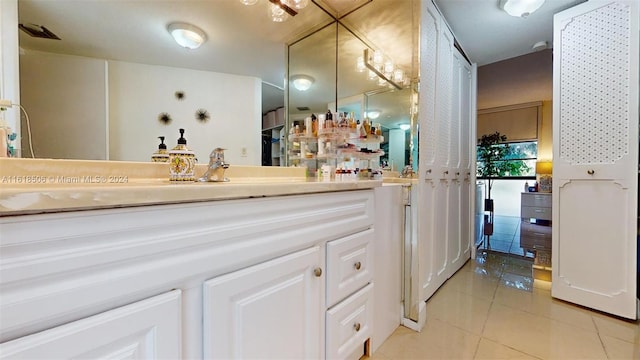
pixel 506 236
pixel 493 309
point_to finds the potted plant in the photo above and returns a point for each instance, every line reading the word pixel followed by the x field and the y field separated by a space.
pixel 493 152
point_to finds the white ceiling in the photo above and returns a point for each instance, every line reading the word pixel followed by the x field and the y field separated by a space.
pixel 487 34
pixel 242 39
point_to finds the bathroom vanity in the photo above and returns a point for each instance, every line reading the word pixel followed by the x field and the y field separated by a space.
pixel 270 268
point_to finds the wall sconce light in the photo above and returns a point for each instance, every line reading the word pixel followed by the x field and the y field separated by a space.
pixel 187 35
pixel 520 8
pixel 302 82
pixel 280 10
pixel 544 169
pixel 382 68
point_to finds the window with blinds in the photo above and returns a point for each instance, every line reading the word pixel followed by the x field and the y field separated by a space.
pixel 518 122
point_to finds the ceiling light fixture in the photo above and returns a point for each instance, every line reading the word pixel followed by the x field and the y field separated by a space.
pixel 281 10
pixel 540 45
pixel 405 127
pixel 302 82
pixel 373 114
pixel 187 35
pixel 520 8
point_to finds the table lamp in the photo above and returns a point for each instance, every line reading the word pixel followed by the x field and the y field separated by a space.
pixel 544 169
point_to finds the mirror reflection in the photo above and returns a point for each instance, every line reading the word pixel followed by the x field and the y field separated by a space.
pixel 360 92
pixel 114 88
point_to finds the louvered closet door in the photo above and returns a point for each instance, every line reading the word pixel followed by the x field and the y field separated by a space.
pixel 595 158
pixel 434 148
pixel 454 174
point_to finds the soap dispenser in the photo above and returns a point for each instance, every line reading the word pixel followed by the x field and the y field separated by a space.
pixel 182 161
pixel 161 155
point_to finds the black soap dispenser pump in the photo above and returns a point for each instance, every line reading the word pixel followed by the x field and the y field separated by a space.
pixel 161 155
pixel 182 161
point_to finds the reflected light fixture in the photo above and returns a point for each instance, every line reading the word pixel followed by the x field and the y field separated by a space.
pixel 187 35
pixel 281 10
pixel 382 68
pixel 520 8
pixel 302 82
pixel 373 114
pixel 405 127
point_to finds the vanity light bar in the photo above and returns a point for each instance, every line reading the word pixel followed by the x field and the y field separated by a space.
pixel 372 67
pixel 284 7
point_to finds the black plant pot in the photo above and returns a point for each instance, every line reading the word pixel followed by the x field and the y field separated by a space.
pixel 488 205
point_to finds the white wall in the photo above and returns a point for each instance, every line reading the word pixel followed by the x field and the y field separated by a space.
pixel 397 149
pixel 9 65
pixel 65 97
pixel 139 93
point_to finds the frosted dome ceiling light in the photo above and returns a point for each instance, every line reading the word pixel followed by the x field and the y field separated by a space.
pixel 520 8
pixel 373 114
pixel 302 82
pixel 187 35
pixel 405 127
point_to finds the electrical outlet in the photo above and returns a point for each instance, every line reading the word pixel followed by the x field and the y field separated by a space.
pixel 243 152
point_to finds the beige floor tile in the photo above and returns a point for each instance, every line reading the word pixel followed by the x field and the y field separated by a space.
pixel 488 349
pixel 473 284
pixel 621 329
pixel 540 336
pixel 540 302
pixel 619 349
pixel 438 340
pixel 459 309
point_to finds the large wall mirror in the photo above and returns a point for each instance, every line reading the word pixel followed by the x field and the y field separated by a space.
pixel 333 58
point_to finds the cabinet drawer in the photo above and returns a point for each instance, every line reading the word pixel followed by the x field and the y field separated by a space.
pixel 349 265
pixel 536 199
pixel 542 213
pixel 349 325
pixel 533 243
pixel 535 230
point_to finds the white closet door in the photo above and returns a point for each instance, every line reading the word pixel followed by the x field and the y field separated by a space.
pixel 435 141
pixel 596 155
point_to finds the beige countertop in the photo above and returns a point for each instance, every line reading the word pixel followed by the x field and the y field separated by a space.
pixel 30 186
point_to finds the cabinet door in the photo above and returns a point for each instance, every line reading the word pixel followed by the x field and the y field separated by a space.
pixel 595 156
pixel 148 329
pixel 271 310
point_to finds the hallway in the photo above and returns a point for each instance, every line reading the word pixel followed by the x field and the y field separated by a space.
pixel 493 309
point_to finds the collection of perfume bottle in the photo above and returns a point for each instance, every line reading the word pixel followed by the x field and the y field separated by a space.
pixel 336 122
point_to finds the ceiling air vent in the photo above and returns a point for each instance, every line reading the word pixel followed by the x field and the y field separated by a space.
pixel 303 108
pixel 38 31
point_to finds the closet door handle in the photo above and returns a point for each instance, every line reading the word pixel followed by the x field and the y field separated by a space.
pixel 317 272
pixel 357 265
pixel 591 172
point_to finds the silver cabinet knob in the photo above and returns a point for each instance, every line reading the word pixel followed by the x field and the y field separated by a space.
pixel 357 265
pixel 356 326
pixel 591 172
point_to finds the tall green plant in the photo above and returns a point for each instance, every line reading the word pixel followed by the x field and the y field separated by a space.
pixel 492 153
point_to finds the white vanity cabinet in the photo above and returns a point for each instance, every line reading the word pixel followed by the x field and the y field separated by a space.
pixel 237 278
pixel 270 310
pixel 147 329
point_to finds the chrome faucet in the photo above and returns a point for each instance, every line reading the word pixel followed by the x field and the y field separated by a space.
pixel 217 166
pixel 407 172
